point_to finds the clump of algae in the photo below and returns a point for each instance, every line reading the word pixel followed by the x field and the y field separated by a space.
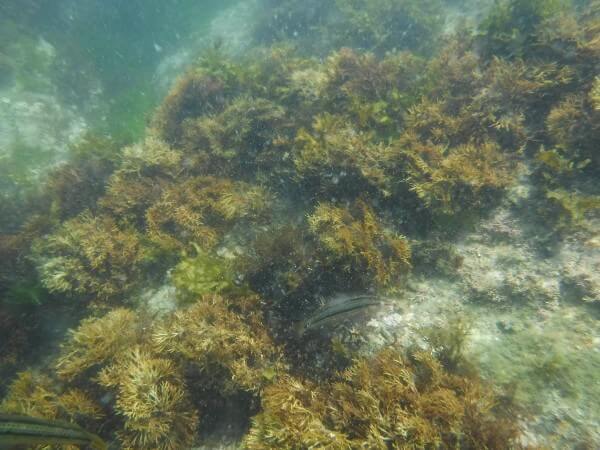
pixel 147 371
pixel 387 400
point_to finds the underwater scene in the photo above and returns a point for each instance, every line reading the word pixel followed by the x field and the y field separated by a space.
pixel 299 224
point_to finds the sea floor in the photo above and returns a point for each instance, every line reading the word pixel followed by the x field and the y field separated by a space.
pixel 532 311
pixel 532 319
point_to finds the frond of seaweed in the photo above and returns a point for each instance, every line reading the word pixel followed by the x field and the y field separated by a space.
pixel 381 402
pixel 353 241
pixel 91 256
pixel 230 351
pixel 201 209
pixel 33 394
pixel 97 341
pixel 153 399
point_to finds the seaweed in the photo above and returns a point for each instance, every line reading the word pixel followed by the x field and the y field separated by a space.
pixel 201 209
pixel 34 394
pixel 356 246
pixel 14 342
pixel 557 163
pixel 78 183
pixel 147 373
pixel 144 170
pixel 389 400
pixel 281 264
pixel 312 171
pixel 570 126
pixel 510 95
pixel 594 94
pixel 97 342
pixel 226 350
pixel 204 90
pixel 372 92
pixel 113 353
pixel 510 28
pixel 91 256
pixel 448 343
pixel 453 180
pixel 333 158
pixel 435 257
pixel 570 209
pixel 205 273
pixel 239 142
pixel 153 400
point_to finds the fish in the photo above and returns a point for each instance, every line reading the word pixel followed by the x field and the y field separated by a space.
pixel 16 430
pixel 340 307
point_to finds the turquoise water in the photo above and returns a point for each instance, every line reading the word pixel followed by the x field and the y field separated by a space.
pixel 301 224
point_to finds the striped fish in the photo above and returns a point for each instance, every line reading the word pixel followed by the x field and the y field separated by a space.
pixel 336 309
pixel 29 431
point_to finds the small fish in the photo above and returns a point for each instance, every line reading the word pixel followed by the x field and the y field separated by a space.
pixel 337 308
pixel 29 431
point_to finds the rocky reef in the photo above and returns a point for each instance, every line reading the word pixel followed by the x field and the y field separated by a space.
pixel 447 169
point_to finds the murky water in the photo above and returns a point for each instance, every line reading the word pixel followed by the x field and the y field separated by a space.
pixel 283 224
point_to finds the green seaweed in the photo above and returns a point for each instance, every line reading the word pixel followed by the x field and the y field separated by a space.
pixel 204 273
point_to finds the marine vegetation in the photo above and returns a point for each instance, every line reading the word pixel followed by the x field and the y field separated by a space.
pixel 451 180
pixel 335 248
pixel 203 274
pixel 147 371
pixel 77 185
pixel 151 398
pixel 144 169
pixel 212 339
pixel 571 208
pixel 239 141
pixel 35 395
pixel 356 244
pixel 387 401
pixel 373 93
pixel 336 159
pixel 91 256
pixel 98 341
pixel 149 390
pixel 201 210
pixel 14 340
pixel 194 94
pixel 365 139
pixel 280 265
pixel 595 94
pixel 510 28
pixel 572 127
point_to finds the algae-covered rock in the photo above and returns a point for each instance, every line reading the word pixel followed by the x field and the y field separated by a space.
pixel 389 399
pixel 91 256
